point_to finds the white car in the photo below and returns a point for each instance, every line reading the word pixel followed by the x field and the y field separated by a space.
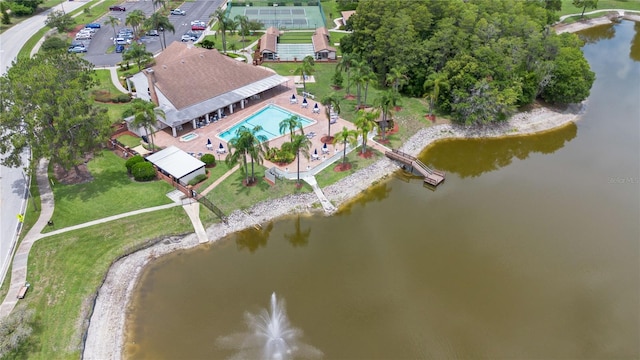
pixel 83 36
pixel 198 22
pixel 178 12
pixel 186 38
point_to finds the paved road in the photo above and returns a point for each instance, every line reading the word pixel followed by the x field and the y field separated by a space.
pixel 12 183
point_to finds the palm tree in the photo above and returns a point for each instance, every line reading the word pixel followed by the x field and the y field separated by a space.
pixel 365 121
pixel 396 77
pixel 345 65
pixel 157 21
pixel 158 2
pixel 137 53
pixel 432 86
pixel 291 123
pixel 243 22
pixel 113 21
pixel 331 101
pixel 367 77
pixel 301 144
pixel 385 103
pixel 220 16
pixel 135 18
pixel 256 147
pixel 361 68
pixel 306 68
pixel 145 115
pixel 246 142
pixel 346 136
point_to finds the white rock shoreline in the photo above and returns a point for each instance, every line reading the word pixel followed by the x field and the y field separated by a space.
pixel 105 337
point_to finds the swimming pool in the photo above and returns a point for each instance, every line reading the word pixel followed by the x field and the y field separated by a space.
pixel 269 118
pixel 188 137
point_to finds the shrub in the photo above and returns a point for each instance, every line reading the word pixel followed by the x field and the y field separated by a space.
pixel 197 179
pixel 122 98
pixel 103 96
pixel 143 171
pixel 53 43
pixel 132 161
pixel 208 159
pixel 283 155
pixel 20 10
pixel 208 44
pixel 269 4
pixel 297 4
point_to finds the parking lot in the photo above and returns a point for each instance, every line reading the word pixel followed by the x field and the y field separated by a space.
pixel 101 50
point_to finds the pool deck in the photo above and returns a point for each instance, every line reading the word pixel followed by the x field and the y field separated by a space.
pixel 199 145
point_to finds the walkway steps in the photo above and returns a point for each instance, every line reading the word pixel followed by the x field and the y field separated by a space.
pixel 431 176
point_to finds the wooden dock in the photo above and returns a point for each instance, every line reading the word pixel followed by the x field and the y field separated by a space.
pixel 431 176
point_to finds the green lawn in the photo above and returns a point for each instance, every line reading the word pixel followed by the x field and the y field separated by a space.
pixel 329 176
pixel 234 41
pixel 231 194
pixel 111 192
pixel 289 37
pixel 66 270
pixel 568 8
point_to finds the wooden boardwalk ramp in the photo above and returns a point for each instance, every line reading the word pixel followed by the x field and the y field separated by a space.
pixel 431 176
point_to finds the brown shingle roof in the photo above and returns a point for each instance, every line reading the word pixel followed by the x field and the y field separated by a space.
pixel 269 41
pixel 320 40
pixel 346 15
pixel 188 75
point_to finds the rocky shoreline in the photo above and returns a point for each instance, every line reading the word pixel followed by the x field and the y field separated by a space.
pixel 105 337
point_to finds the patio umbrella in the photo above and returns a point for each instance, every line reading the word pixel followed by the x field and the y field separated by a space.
pixel 304 101
pixel 324 146
pixel 315 106
pixel 293 97
pixel 208 141
pixel 221 147
pixel 315 152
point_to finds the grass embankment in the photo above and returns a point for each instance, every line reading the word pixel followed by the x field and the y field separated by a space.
pixel 328 176
pixel 111 192
pixel 66 270
pixel 232 195
pixel 114 110
pixel 569 8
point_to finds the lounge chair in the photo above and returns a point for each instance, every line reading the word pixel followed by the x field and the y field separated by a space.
pixel 315 157
pixel 221 150
pixel 325 150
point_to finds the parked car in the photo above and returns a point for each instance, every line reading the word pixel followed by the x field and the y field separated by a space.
pixel 120 41
pixel 83 36
pixel 93 26
pixel 197 22
pixel 119 48
pixel 153 33
pixel 178 12
pixel 77 49
pixel 187 37
pixel 117 8
pixel 198 27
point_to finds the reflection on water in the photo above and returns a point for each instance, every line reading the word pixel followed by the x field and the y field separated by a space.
pixel 597 33
pixel 473 157
pixel 528 251
pixel 634 52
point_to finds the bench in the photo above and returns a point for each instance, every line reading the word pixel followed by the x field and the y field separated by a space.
pixel 23 291
pixel 306 94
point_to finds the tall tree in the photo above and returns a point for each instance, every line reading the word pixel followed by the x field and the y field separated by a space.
pixel 137 53
pixel 41 109
pixel 385 103
pixel 220 17
pixel 396 77
pixel 238 149
pixel 345 137
pixel 291 124
pixel 305 69
pixel 113 21
pixel 584 4
pixel 135 19
pixel 60 21
pixel 145 115
pixel 344 64
pixel 256 147
pixel 247 142
pixel 365 122
pixel 331 101
pixel 243 23
pixel 301 144
pixel 158 21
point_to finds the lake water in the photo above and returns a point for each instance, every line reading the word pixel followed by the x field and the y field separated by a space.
pixel 530 249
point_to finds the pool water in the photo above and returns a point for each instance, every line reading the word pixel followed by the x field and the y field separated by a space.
pixel 269 118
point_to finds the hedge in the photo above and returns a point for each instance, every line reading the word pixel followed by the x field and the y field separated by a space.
pixel 143 171
pixel 132 161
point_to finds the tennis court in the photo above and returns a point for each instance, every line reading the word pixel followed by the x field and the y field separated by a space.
pixel 282 17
